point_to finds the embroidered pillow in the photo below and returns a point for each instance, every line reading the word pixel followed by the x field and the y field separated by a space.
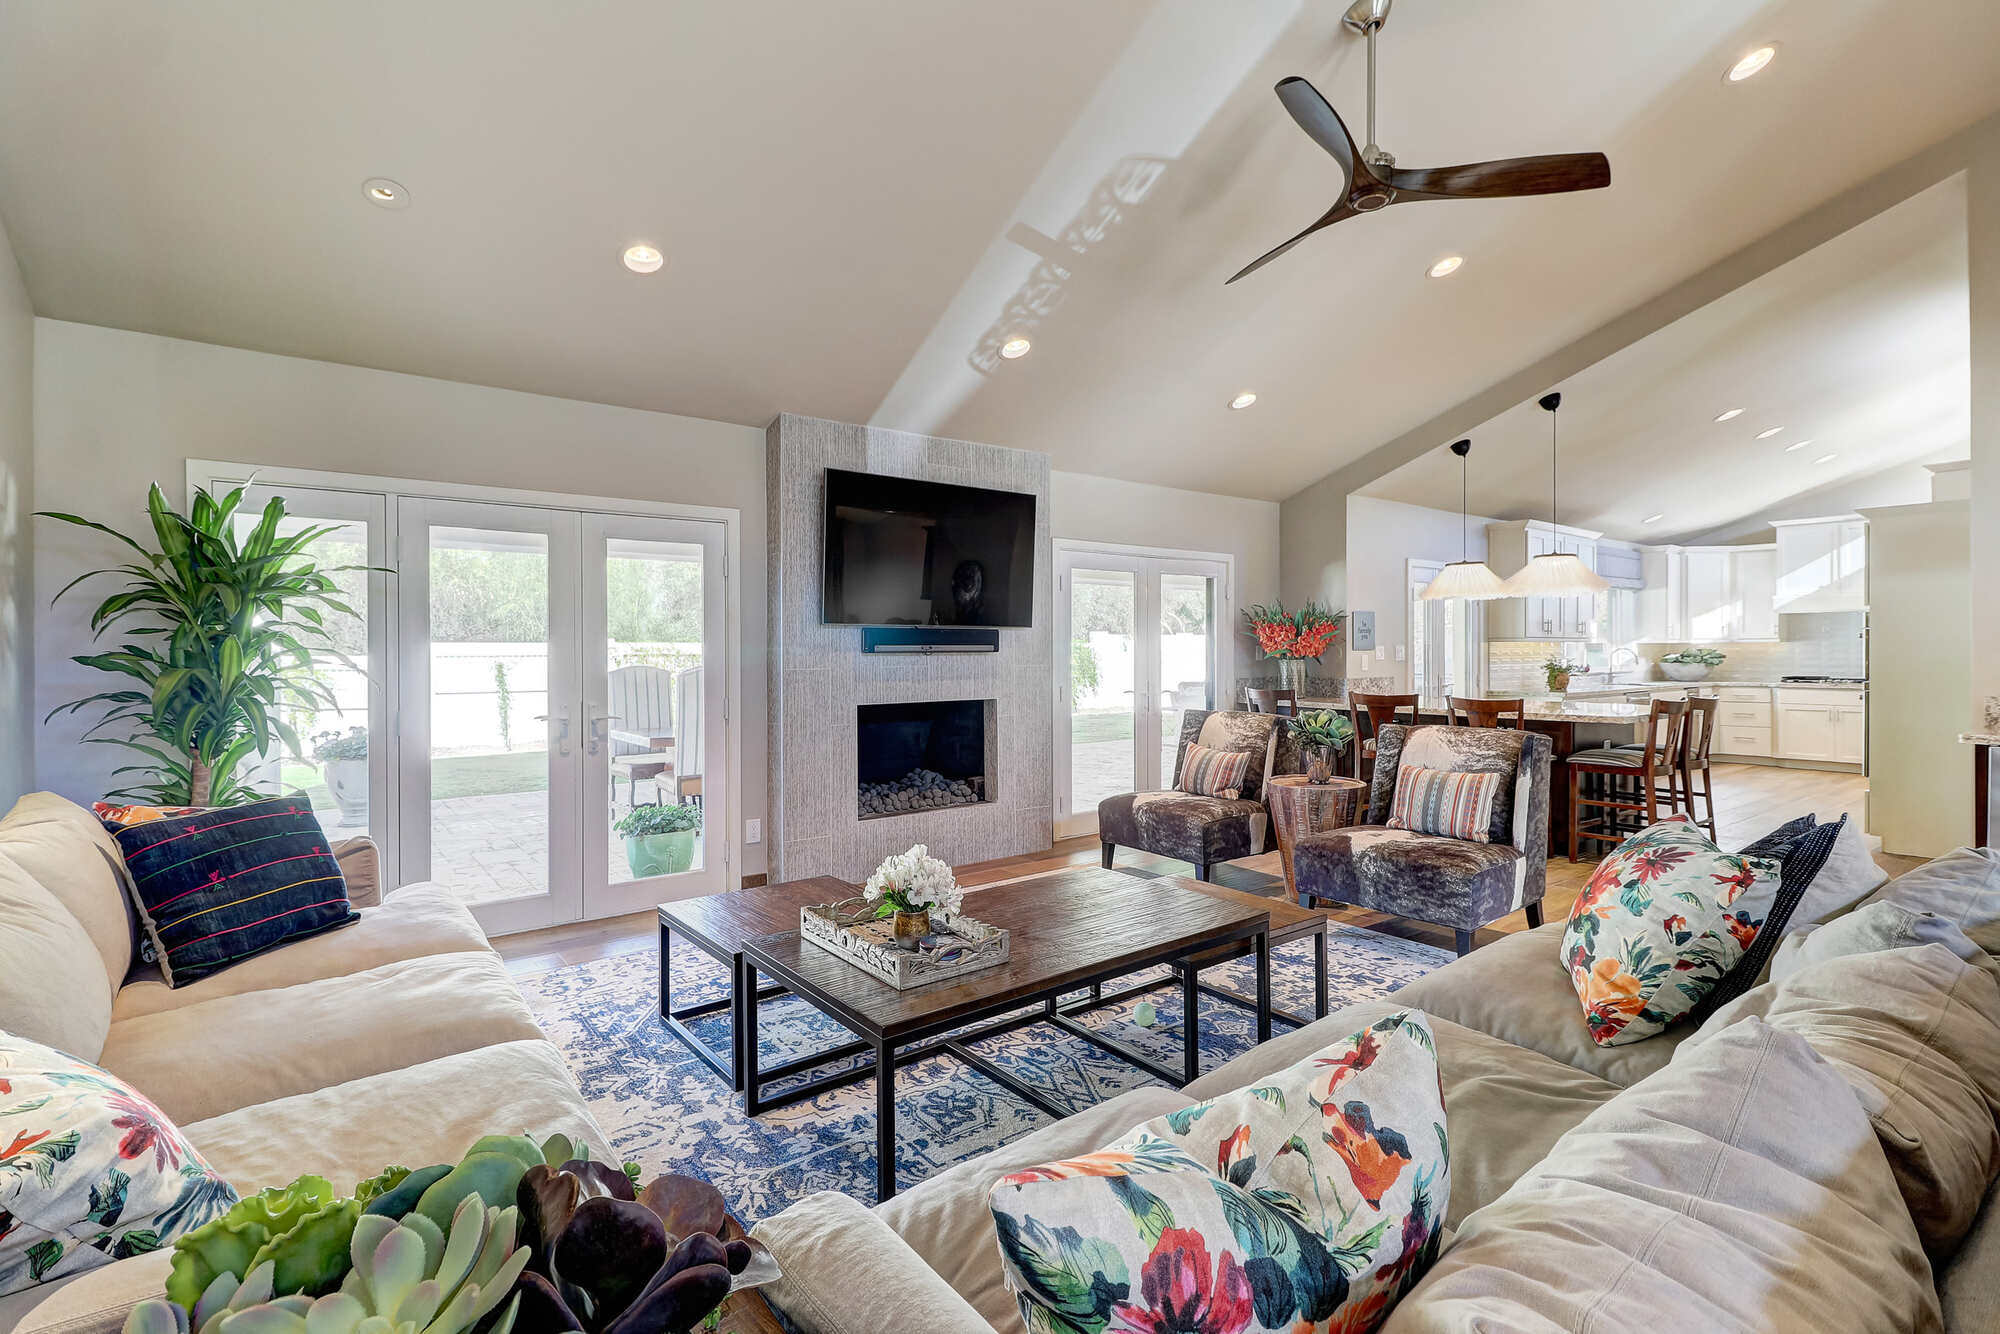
pixel 1214 773
pixel 1445 803
pixel 1662 920
pixel 219 885
pixel 90 1171
pixel 1304 1204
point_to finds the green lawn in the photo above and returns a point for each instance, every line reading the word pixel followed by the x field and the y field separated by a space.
pixel 1101 725
pixel 452 776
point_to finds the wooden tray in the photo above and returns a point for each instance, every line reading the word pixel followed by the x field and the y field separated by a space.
pixel 958 944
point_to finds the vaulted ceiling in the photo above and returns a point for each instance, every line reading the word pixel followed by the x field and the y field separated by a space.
pixel 857 202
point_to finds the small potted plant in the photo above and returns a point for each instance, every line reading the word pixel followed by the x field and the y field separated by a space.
pixel 1691 664
pixel 907 886
pixel 659 840
pixel 1557 671
pixel 343 762
pixel 1321 732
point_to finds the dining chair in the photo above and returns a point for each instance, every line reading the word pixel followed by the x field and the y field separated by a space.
pixel 1485 712
pixel 1284 702
pixel 1370 714
pixel 1666 724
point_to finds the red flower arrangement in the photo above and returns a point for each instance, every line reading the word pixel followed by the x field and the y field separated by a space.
pixel 1306 633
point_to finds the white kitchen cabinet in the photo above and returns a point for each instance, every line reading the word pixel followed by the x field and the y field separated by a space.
pixel 1850 733
pixel 1829 726
pixel 1822 564
pixel 1509 546
pixel 1708 595
pixel 1663 599
pixel 1755 576
pixel 1709 613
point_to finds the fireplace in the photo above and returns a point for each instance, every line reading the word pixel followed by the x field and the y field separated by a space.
pixel 929 756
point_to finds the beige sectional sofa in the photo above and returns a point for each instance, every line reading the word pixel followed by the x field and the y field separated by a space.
pixel 1745 1158
pixel 399 1039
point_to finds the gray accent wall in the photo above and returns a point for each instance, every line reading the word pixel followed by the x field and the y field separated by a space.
pixel 818 673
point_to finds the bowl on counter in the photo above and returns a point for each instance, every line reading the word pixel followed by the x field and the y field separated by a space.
pixel 1686 671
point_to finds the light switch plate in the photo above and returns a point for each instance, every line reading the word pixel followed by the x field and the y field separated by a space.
pixel 1400 654
pixel 1361 631
pixel 753 831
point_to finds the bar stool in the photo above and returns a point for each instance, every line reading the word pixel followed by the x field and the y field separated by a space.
pixel 1666 726
pixel 1485 712
pixel 1372 713
pixel 1697 740
pixel 1282 702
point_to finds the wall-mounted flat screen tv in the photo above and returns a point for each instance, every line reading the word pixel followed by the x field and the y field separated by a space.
pixel 905 552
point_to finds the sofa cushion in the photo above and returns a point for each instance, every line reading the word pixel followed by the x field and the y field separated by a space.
pixel 1877 926
pixel 1968 1284
pixel 90 1171
pixel 945 1220
pixel 1195 829
pixel 202 1060
pixel 425 1113
pixel 1506 1106
pixel 53 989
pixel 68 853
pixel 414 921
pixel 1234 729
pixel 1520 806
pixel 1962 886
pixel 1310 1199
pixel 1447 880
pixel 823 1241
pixel 1738 1190
pixel 1517 990
pixel 1445 802
pixel 1664 918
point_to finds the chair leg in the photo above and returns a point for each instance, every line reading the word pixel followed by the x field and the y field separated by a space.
pixel 1534 912
pixel 1201 871
pixel 1104 854
pixel 1653 797
pixel 1464 943
pixel 1575 798
pixel 1707 798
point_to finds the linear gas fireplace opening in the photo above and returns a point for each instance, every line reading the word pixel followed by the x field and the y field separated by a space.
pixel 927 756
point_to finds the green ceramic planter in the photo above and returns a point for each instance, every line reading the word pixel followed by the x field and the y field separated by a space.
pixel 660 854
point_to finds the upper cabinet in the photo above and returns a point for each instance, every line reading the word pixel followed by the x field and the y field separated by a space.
pixel 1509 546
pixel 1822 564
pixel 1708 594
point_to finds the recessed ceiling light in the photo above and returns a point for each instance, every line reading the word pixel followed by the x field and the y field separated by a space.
pixel 384 193
pixel 1768 432
pixel 1793 449
pixel 1445 267
pixel 1752 63
pixel 1242 401
pixel 1016 346
pixel 1652 518
pixel 643 258
pixel 1730 415
pixel 1826 458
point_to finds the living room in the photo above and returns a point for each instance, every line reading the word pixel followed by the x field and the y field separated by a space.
pixel 640 512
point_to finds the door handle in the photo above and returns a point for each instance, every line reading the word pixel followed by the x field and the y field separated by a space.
pixel 598 731
pixel 562 728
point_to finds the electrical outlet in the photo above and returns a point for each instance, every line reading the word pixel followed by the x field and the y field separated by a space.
pixel 753 831
pixel 1400 654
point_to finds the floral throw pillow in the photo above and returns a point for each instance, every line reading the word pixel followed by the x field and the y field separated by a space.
pixel 1305 1204
pixel 90 1171
pixel 1663 919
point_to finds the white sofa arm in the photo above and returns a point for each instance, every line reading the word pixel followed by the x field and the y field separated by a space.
pixel 97 1300
pixel 825 1243
pixel 361 866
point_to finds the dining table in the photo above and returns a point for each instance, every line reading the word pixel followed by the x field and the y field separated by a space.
pixel 1571 725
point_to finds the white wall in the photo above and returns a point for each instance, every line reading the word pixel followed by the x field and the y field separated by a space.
pixel 1904 484
pixel 1383 536
pixel 17 462
pixel 116 411
pixel 1103 509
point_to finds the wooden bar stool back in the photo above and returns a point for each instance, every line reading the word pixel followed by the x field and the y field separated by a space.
pixel 1666 726
pixel 1372 713
pixel 1697 740
pixel 1282 702
pixel 1485 712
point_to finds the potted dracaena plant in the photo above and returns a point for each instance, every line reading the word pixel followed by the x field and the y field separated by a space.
pixel 219 630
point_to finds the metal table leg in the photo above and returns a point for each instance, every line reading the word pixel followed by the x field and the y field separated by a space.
pixel 1319 972
pixel 1263 986
pixel 885 1122
pixel 1191 1023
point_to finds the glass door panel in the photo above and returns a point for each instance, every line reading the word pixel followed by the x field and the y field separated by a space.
pixel 653 686
pixel 1104 684
pixel 1187 657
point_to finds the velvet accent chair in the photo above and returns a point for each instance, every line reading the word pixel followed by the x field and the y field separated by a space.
pixel 1205 830
pixel 1458 883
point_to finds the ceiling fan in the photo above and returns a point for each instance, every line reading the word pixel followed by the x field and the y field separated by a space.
pixel 1374 181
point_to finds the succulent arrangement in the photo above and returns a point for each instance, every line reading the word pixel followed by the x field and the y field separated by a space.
pixel 1696 657
pixel 643 820
pixel 1321 732
pixel 515 1236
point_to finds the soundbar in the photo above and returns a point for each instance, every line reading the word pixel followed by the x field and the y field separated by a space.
pixel 928 639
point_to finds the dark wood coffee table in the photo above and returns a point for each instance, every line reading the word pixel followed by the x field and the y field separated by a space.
pixel 1072 930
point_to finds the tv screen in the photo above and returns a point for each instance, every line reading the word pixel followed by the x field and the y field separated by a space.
pixel 904 552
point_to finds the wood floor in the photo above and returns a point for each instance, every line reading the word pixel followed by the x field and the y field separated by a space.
pixel 1750 800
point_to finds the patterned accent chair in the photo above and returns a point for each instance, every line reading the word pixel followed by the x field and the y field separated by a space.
pixel 1205 830
pixel 1451 882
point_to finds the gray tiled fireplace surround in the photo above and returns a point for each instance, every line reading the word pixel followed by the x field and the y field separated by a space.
pixel 818 673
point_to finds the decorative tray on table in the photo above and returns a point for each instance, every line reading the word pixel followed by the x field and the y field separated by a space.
pixel 956 946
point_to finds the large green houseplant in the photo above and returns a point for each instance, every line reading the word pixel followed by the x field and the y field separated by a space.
pixel 218 634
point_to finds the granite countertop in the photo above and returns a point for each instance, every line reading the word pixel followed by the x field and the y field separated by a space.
pixel 1596 689
pixel 1979 738
pixel 1538 710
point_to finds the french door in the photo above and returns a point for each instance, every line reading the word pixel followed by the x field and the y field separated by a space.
pixel 1142 637
pixel 520 679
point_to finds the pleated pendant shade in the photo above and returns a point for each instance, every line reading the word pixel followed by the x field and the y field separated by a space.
pixel 1468 578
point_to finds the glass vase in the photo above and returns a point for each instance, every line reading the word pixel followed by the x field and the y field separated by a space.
pixel 1292 675
pixel 911 927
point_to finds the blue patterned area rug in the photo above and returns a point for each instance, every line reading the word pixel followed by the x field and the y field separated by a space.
pixel 668 1112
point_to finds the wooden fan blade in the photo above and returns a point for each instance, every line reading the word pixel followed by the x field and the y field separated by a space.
pixel 1321 123
pixel 1332 215
pixel 1552 175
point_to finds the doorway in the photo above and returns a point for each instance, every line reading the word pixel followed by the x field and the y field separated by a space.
pixel 1142 637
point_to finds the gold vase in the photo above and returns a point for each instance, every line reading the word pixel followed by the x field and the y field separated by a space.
pixel 911 927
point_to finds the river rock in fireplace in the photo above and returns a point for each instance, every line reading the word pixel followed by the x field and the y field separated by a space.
pixel 918 790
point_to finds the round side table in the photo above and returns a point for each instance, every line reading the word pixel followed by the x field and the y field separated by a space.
pixel 1299 808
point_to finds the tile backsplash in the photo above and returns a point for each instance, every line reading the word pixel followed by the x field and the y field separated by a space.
pixel 1814 644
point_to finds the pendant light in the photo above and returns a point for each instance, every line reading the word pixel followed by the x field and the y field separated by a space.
pixel 1466 578
pixel 1558 574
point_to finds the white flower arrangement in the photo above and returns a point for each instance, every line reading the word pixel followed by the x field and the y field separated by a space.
pixel 913 881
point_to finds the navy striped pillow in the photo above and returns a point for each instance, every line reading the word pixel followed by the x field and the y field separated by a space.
pixel 219 885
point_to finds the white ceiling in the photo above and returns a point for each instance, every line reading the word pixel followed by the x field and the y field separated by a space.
pixel 1861 346
pixel 854 199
